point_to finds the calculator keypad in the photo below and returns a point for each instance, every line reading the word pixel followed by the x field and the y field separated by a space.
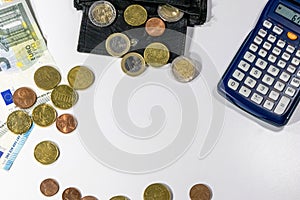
pixel 268 74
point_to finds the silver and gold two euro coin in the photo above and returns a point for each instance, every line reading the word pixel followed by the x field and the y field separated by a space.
pixel 102 13
pixel 133 64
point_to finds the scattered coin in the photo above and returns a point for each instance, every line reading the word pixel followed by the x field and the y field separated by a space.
pixel 133 64
pixel 44 115
pixel 156 54
pixel 184 69
pixel 46 152
pixel 47 77
pixel 102 13
pixel 157 191
pixel 64 97
pixel 89 198
pixel 117 44
pixel 49 187
pixel 24 97
pixel 200 192
pixel 80 77
pixel 120 197
pixel 71 193
pixel 155 27
pixel 66 123
pixel 169 13
pixel 135 15
pixel 19 122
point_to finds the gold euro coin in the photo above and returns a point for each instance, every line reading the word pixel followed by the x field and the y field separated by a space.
pixel 133 64
pixel 169 13
pixel 44 115
pixel 184 69
pixel 47 77
pixel 157 191
pixel 80 77
pixel 120 197
pixel 19 122
pixel 46 152
pixel 64 97
pixel 135 15
pixel 102 13
pixel 117 44
pixel 156 54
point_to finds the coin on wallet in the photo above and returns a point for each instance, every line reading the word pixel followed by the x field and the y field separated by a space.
pixel 117 44
pixel 102 13
pixel 133 64
pixel 135 15
pixel 169 13
pixel 156 54
pixel 155 27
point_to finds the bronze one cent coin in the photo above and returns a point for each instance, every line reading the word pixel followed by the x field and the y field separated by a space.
pixel 71 193
pixel 49 187
pixel 200 192
pixel 24 97
pixel 89 198
pixel 66 123
pixel 155 27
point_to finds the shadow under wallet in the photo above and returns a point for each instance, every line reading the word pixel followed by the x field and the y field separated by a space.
pixel 92 38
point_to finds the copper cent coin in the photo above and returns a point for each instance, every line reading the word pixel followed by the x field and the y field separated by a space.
pixel 155 27
pixel 200 192
pixel 89 198
pixel 49 187
pixel 71 193
pixel 66 123
pixel 24 97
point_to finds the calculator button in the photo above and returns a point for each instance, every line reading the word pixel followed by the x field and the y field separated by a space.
pixel 267 45
pixel 290 91
pixel 292 36
pixel 258 40
pixel 261 63
pixel 250 82
pixel 267 24
pixel 276 51
pixel 295 61
pixel 245 91
pixel 279 86
pixel 268 104
pixel 262 53
pixel 272 38
pixel 295 82
pixel 291 69
pixel 274 95
pixel 255 72
pixel 281 43
pixel 244 65
pixel 249 56
pixel 262 33
pixel 298 53
pixel 282 105
pixel 253 47
pixel 233 84
pixel 277 30
pixel 286 56
pixel 281 64
pixel 284 76
pixel 298 73
pixel 238 75
pixel 273 70
pixel 268 79
pixel 272 58
pixel 257 98
pixel 262 89
pixel 290 49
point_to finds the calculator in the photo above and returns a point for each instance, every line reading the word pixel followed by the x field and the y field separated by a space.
pixel 263 78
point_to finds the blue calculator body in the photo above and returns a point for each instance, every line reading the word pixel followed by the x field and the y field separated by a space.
pixel 264 76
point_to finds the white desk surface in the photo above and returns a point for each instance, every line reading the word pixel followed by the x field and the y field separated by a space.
pixel 249 161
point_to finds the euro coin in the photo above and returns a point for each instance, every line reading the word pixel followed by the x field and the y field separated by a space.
pixel 80 77
pixel 49 187
pixel 156 54
pixel 102 13
pixel 133 64
pixel 157 191
pixel 66 123
pixel 19 122
pixel 200 192
pixel 71 193
pixel 184 69
pixel 64 97
pixel 135 15
pixel 120 197
pixel 89 198
pixel 169 13
pixel 155 27
pixel 46 152
pixel 47 77
pixel 117 44
pixel 44 115
pixel 24 97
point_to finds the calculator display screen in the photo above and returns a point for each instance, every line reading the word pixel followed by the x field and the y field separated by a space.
pixel 288 13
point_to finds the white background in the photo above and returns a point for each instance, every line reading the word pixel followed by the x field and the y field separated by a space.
pixel 248 162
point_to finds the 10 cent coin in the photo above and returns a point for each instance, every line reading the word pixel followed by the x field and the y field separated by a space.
pixel 19 122
pixel 135 15
pixel 44 115
pixel 157 191
pixel 47 77
pixel 46 152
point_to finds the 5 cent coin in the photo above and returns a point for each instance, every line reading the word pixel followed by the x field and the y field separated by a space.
pixel 66 123
pixel 155 27
pixel 49 187
pixel 89 198
pixel 71 193
pixel 200 192
pixel 24 97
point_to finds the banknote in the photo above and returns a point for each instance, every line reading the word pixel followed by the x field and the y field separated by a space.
pixel 22 51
